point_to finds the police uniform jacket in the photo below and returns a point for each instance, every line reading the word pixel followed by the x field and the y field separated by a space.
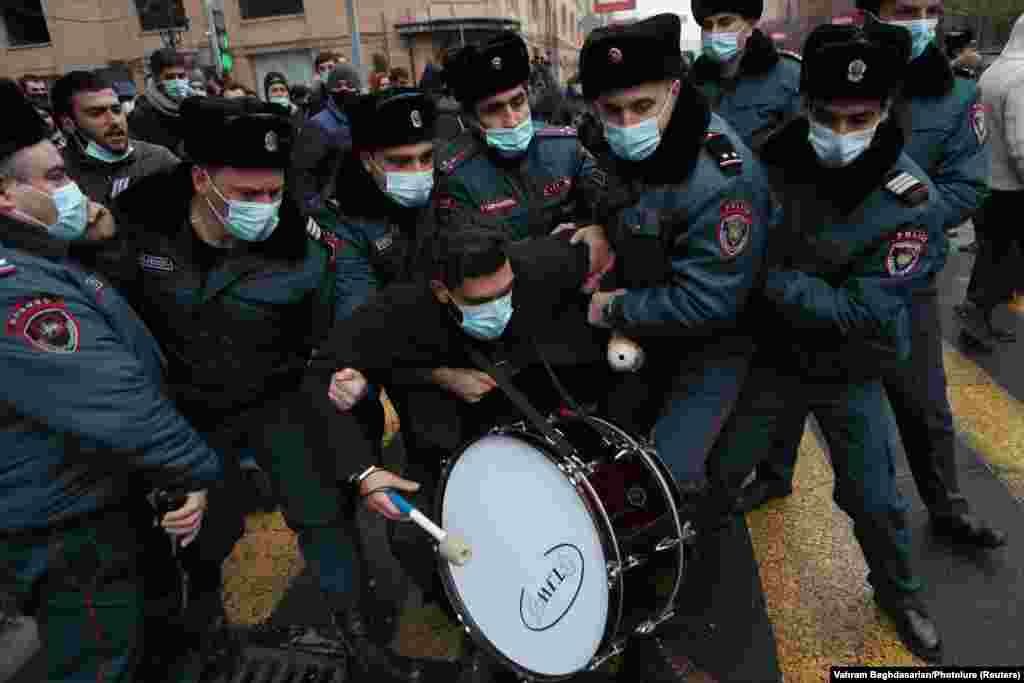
pixel 527 196
pixel 102 182
pixel 376 236
pixel 404 327
pixel 83 417
pixel 946 132
pixel 692 232
pixel 237 325
pixel 856 242
pixel 764 93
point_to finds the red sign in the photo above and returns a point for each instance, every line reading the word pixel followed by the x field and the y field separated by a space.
pixel 614 6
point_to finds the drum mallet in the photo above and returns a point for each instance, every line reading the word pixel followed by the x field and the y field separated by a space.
pixel 452 548
pixel 624 354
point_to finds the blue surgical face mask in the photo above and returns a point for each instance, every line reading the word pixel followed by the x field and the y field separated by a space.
pixel 101 153
pixel 177 88
pixel 72 212
pixel 409 189
pixel 487 321
pixel 635 143
pixel 511 141
pixel 248 221
pixel 836 150
pixel 283 101
pixel 922 34
pixel 720 47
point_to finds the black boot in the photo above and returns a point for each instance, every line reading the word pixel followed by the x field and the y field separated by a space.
pixel 917 630
pixel 759 492
pixel 372 662
pixel 968 530
pixel 975 328
pixel 478 667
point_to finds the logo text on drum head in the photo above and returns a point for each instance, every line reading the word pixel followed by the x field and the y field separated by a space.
pixel 544 603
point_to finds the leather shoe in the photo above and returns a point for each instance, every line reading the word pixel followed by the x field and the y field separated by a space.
pixel 372 662
pixel 759 492
pixel 968 530
pixel 651 660
pixel 917 631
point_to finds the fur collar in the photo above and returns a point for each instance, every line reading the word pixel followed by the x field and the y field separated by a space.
pixel 929 75
pixel 759 56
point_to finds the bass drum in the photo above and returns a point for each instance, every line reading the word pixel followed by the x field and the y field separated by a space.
pixel 572 555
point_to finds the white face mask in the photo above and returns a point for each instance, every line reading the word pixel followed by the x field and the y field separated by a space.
pixel 835 150
pixel 409 189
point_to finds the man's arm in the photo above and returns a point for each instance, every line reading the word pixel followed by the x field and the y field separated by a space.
pixel 1013 123
pixel 99 390
pixel 962 174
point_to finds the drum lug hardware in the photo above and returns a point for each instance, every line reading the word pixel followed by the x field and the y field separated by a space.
pixel 689 533
pixel 651 624
pixel 667 543
pixel 617 648
pixel 617 568
pixel 623 452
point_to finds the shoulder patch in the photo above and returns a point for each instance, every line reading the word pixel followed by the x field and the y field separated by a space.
pixel 734 226
pixel 461 154
pixel 722 150
pixel 7 268
pixel 326 238
pixel 156 264
pixel 119 185
pixel 979 123
pixel 556 132
pixel 905 250
pixel 45 323
pixel 908 188
pixel 791 55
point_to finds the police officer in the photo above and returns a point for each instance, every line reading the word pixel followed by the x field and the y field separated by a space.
pixel 944 126
pixel 522 177
pixel 749 83
pixel 383 185
pixel 860 235
pixel 102 157
pixel 689 238
pixel 87 428
pixel 239 289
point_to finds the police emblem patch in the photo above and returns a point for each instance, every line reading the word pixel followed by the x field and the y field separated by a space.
pixel 45 322
pixel 978 122
pixel 734 227
pixel 7 268
pixel 496 63
pixel 855 72
pixel 156 264
pixel 615 55
pixel 416 119
pixel 270 141
pixel 905 251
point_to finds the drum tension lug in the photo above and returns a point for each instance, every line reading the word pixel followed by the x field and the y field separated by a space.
pixel 617 648
pixel 648 626
pixel 617 568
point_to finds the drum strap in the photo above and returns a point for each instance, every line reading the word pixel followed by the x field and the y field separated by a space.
pixel 522 403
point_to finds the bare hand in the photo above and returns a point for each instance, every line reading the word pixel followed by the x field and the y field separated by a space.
pixel 184 523
pixel 597 303
pixel 469 385
pixel 379 502
pixel 348 387
pixel 100 223
pixel 602 258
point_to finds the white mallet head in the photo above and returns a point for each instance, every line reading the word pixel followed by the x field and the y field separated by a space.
pixel 455 550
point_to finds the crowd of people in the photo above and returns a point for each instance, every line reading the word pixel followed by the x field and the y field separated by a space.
pixel 199 280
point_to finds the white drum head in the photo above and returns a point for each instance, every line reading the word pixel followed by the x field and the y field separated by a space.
pixel 537 586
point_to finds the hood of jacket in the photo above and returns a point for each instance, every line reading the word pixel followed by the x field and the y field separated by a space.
pixel 1014 48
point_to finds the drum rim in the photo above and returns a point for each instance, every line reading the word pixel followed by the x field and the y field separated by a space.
pixel 605 531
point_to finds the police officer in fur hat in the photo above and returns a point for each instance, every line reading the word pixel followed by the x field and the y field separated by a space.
pixel 749 83
pixel 87 428
pixel 688 213
pixel 240 289
pixel 503 167
pixel 962 52
pixel 860 243
pixel 943 122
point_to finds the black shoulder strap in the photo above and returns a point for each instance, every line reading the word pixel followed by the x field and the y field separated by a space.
pixel 723 152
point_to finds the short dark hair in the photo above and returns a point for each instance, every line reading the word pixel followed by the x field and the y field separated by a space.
pixel 72 83
pixel 464 249
pixel 325 56
pixel 27 78
pixel 163 58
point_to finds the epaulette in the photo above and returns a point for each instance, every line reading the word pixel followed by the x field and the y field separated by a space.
pixel 791 55
pixel 556 132
pixel 909 189
pixel 719 146
pixel 326 238
pixel 7 268
pixel 463 153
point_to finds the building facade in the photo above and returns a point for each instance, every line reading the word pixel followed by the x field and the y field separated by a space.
pixel 51 37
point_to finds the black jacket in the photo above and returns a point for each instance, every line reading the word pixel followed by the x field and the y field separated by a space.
pixel 149 124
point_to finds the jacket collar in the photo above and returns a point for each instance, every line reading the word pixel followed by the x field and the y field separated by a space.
pixel 161 102
pixel 31 238
pixel 930 75
pixel 759 56
pixel 74 153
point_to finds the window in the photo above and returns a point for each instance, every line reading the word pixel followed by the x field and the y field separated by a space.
pixel 256 9
pixel 25 22
pixel 155 15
